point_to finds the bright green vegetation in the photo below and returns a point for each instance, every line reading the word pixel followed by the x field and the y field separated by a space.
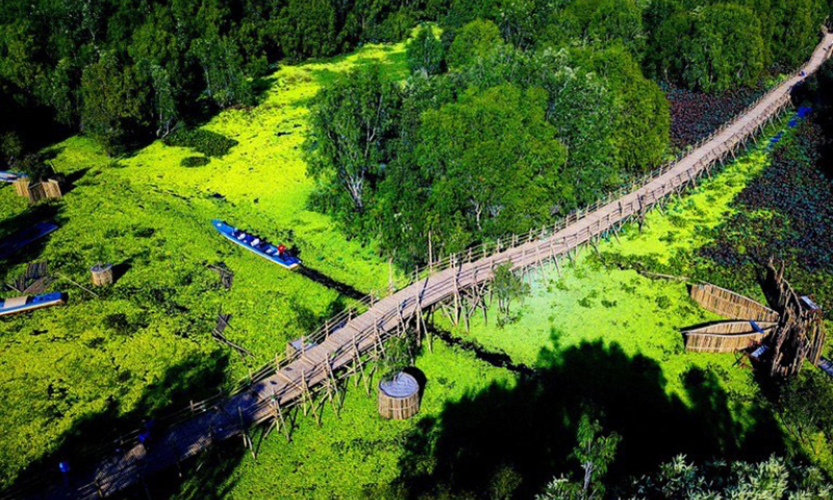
pixel 358 451
pixel 641 315
pixel 146 341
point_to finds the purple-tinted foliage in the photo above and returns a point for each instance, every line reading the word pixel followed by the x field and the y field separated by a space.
pixel 786 212
pixel 694 115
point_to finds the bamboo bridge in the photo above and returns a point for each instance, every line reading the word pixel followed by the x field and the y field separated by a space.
pixel 340 348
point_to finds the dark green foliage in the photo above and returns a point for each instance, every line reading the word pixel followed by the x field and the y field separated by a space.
pixel 308 28
pixel 125 72
pixel 705 44
pixel 195 161
pixel 111 104
pixel 203 141
pixel 795 30
pixel 485 165
pixel 642 115
pixel 473 41
pixel 425 52
pixel 713 48
pixel 353 124
pixel 606 21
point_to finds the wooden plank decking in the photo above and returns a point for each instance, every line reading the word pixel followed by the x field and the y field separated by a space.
pixel 311 367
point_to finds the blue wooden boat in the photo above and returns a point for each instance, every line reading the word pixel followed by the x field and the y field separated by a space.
pixel 6 176
pixel 21 304
pixel 257 245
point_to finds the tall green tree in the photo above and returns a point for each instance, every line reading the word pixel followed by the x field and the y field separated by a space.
pixel 508 288
pixel 606 21
pixel 164 100
pixel 643 120
pixel 425 52
pixel 804 410
pixel 595 452
pixel 110 102
pixel 308 28
pixel 713 48
pixel 796 30
pixel 353 124
pixel 495 165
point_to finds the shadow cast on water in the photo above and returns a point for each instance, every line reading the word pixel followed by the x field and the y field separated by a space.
pixel 530 427
pixel 323 279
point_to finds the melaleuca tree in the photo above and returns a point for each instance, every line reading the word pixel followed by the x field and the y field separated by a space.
pixel 110 105
pixel 594 452
pixel 582 110
pixel 796 28
pixel 308 28
pixel 353 124
pixel 425 52
pixel 605 21
pixel 507 288
pixel 225 82
pixel 713 48
pixel 804 410
pixel 164 100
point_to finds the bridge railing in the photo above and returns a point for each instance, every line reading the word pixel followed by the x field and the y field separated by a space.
pixel 470 255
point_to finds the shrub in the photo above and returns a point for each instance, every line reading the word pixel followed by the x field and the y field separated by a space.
pixel 204 141
pixel 195 161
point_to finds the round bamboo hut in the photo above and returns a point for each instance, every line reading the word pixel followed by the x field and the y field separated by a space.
pixel 102 274
pixel 399 397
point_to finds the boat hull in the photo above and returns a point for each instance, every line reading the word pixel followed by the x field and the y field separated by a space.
pixel 32 303
pixel 228 232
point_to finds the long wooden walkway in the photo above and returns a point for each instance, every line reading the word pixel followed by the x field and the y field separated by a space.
pixel 336 348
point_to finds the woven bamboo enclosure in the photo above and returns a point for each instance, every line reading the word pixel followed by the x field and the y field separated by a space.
pixel 730 304
pixel 399 397
pixel 727 336
pixel 102 274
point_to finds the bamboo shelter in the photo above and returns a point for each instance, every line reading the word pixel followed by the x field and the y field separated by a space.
pixel 399 397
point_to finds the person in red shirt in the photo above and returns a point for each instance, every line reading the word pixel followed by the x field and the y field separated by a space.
pixel 281 250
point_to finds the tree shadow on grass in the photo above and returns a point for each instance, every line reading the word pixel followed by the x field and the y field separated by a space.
pixel 530 427
pixel 96 437
pixel 45 212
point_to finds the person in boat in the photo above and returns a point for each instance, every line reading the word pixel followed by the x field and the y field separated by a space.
pixel 281 250
pixel 256 242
